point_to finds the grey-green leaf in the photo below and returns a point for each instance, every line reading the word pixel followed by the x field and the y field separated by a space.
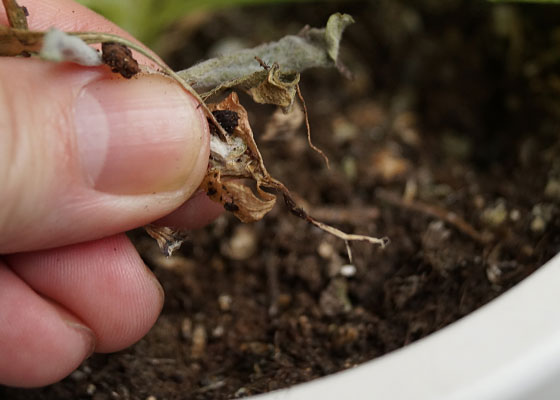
pixel 336 25
pixel 294 53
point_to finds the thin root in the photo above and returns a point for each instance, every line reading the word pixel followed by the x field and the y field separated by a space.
pixel 308 127
pixel 347 237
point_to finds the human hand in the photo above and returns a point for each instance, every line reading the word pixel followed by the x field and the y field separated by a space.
pixel 84 156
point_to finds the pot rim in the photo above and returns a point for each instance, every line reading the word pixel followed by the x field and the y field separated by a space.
pixel 506 349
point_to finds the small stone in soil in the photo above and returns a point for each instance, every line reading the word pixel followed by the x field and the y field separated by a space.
pixel 218 331
pixel 348 270
pixel 224 301
pixel 186 329
pixel 199 339
pixel 78 375
pixel 495 214
pixel 91 389
pixel 242 245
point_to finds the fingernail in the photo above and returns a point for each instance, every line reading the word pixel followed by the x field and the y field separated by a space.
pixel 87 336
pixel 139 135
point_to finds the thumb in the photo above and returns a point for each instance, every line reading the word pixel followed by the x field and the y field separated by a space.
pixel 85 154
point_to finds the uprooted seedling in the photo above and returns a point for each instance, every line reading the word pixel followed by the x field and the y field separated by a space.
pixel 270 74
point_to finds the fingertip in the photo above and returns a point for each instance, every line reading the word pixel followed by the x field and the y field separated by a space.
pixel 40 343
pixel 104 283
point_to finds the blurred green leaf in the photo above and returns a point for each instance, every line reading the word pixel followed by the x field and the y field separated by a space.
pixel 145 19
pixel 527 1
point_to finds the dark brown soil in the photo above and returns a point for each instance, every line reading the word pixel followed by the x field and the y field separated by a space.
pixel 454 111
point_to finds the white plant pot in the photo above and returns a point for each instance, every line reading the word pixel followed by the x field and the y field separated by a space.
pixel 508 349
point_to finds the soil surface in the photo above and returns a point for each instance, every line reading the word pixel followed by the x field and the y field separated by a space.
pixel 446 140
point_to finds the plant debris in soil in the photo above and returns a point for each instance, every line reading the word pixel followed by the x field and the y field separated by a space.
pixel 120 59
pixel 446 140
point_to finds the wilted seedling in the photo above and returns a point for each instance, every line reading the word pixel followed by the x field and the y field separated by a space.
pixel 269 73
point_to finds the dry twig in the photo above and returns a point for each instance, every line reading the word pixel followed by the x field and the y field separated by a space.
pixel 434 211
pixel 17 15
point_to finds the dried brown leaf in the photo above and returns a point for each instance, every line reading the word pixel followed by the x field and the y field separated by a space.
pixel 238 198
pixel 278 88
pixel 168 239
pixel 239 158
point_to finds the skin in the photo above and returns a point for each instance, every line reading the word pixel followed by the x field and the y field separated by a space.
pixel 71 283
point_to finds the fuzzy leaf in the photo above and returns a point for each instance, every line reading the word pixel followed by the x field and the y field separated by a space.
pixel 336 25
pixel 59 47
pixel 294 53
